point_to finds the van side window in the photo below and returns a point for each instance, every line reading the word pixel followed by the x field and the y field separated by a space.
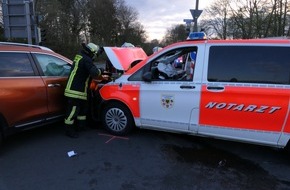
pixel 15 65
pixel 177 65
pixel 249 64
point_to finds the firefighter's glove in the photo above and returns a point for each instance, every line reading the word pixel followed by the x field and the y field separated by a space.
pixel 101 71
pixel 107 73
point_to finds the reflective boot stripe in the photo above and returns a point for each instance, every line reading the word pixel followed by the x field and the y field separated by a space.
pixel 69 120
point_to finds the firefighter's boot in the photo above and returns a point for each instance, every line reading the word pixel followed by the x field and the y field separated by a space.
pixel 71 132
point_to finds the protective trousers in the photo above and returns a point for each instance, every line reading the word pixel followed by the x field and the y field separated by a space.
pixel 76 114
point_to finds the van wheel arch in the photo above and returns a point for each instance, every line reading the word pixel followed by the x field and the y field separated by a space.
pixel 117 118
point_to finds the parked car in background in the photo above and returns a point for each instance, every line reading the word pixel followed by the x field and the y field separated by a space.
pixel 32 80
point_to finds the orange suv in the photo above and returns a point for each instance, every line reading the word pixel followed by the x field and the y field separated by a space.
pixel 32 81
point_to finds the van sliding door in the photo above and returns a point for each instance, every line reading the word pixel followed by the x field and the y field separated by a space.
pixel 246 93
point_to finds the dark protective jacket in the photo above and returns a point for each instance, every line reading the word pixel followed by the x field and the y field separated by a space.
pixel 81 71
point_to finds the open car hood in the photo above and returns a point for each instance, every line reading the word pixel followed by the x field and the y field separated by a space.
pixel 122 57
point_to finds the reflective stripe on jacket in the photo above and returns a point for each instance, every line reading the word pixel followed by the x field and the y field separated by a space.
pixel 81 71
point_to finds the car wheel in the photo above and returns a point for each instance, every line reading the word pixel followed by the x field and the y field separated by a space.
pixel 117 119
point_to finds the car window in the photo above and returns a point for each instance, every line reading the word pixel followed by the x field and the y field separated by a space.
pixel 14 64
pixel 249 64
pixel 52 66
pixel 174 65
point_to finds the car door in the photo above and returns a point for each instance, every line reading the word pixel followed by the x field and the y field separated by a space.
pixel 171 103
pixel 55 72
pixel 23 93
pixel 246 97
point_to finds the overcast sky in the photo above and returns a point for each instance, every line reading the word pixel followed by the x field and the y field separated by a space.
pixel 156 16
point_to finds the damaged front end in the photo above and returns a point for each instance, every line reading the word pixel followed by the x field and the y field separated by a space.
pixel 120 60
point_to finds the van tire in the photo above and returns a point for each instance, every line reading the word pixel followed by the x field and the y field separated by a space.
pixel 117 119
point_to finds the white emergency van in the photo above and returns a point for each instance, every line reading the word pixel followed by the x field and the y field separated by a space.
pixel 230 89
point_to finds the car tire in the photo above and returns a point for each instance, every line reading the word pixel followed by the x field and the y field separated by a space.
pixel 117 119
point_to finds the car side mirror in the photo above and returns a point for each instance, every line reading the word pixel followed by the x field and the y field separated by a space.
pixel 147 77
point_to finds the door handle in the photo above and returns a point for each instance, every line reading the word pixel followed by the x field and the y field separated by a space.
pixel 54 85
pixel 187 87
pixel 215 88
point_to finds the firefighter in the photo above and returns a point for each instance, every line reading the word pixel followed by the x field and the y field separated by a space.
pixel 81 72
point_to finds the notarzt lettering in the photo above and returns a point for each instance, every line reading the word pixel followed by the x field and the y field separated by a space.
pixel 242 107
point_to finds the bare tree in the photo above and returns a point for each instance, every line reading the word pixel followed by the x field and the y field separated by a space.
pixel 216 22
pixel 63 21
pixel 175 34
pixel 129 28
pixel 247 18
pixel 101 20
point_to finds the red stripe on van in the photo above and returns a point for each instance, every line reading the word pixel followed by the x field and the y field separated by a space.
pixel 252 108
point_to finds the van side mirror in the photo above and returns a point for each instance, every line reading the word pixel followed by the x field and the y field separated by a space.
pixel 147 77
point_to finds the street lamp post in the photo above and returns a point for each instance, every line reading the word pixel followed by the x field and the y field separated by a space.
pixel 195 16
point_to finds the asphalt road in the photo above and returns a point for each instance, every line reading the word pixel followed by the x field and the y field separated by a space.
pixel 38 160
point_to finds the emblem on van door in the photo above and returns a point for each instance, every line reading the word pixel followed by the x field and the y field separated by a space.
pixel 167 101
pixel 242 107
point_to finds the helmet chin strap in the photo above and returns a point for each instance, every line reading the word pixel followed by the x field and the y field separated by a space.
pixel 94 56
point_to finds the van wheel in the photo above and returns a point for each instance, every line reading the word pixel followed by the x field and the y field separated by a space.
pixel 117 119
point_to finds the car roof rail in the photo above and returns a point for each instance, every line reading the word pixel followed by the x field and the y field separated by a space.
pixel 26 45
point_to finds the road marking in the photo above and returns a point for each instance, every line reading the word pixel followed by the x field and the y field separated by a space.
pixel 112 137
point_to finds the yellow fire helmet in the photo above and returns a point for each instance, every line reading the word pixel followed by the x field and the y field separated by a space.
pixel 93 48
